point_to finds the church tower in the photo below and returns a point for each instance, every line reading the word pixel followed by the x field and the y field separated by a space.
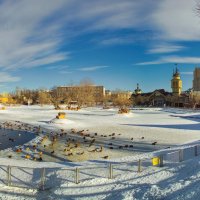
pixel 176 83
pixel 138 90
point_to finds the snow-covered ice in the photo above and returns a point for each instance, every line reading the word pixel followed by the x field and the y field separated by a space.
pixel 168 127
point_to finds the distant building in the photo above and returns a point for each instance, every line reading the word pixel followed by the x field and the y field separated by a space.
pixel 99 91
pixel 176 83
pixel 138 90
pixel 196 80
pixel 108 93
pixel 121 94
pixel 162 98
pixel 195 94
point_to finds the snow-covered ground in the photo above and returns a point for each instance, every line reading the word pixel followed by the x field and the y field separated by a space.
pixel 168 127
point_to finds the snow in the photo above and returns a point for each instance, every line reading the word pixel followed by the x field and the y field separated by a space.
pixel 62 121
pixel 177 128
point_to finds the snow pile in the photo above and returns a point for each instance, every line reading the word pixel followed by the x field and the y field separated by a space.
pixel 130 114
pixel 62 121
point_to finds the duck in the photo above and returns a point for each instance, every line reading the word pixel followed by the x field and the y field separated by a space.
pixel 154 143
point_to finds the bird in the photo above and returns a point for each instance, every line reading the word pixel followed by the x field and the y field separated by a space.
pixel 40 158
pixel 53 152
pixel 99 150
pixel 142 138
pixel 80 153
pixel 154 143
pixel 105 157
pixel 93 150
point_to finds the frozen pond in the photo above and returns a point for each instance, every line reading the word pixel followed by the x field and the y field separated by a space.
pixel 142 131
pixel 12 138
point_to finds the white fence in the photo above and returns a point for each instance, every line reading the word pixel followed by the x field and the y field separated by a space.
pixel 43 178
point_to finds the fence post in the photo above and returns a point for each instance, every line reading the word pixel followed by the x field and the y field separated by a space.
pixel 139 165
pixel 180 155
pixel 196 150
pixel 110 171
pixel 77 175
pixel 161 160
pixel 9 176
pixel 42 178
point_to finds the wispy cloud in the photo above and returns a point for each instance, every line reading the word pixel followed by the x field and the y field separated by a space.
pixel 6 77
pixel 65 72
pixel 176 20
pixel 165 48
pixel 172 59
pixel 57 67
pixel 187 73
pixel 33 32
pixel 92 68
pixel 26 39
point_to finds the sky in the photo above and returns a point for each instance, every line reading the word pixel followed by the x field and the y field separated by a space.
pixel 115 43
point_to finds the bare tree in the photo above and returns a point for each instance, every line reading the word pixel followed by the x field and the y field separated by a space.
pixel 86 93
pixel 44 97
pixel 56 97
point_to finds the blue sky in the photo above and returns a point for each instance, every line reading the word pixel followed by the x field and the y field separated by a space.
pixel 114 43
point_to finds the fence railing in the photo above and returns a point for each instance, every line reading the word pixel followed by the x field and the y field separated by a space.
pixel 45 177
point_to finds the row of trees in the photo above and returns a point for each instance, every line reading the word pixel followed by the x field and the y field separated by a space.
pixel 83 94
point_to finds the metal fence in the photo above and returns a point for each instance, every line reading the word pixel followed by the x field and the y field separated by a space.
pixel 44 178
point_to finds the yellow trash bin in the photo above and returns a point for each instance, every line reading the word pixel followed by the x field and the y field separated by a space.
pixel 155 161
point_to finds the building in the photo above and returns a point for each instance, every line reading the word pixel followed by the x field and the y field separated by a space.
pixel 162 98
pixel 176 83
pixel 195 93
pixel 97 91
pixel 108 93
pixel 138 90
pixel 196 80
pixel 121 94
pixel 157 98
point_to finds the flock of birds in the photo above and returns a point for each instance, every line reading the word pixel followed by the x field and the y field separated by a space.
pixel 76 142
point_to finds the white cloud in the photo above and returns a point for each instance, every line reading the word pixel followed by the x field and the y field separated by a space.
pixel 65 72
pixel 176 20
pixel 165 48
pixel 32 32
pixel 57 67
pixel 187 73
pixel 116 41
pixel 26 39
pixel 92 68
pixel 173 59
pixel 6 77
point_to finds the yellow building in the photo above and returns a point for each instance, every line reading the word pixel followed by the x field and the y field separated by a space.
pixel 121 94
pixel 176 83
